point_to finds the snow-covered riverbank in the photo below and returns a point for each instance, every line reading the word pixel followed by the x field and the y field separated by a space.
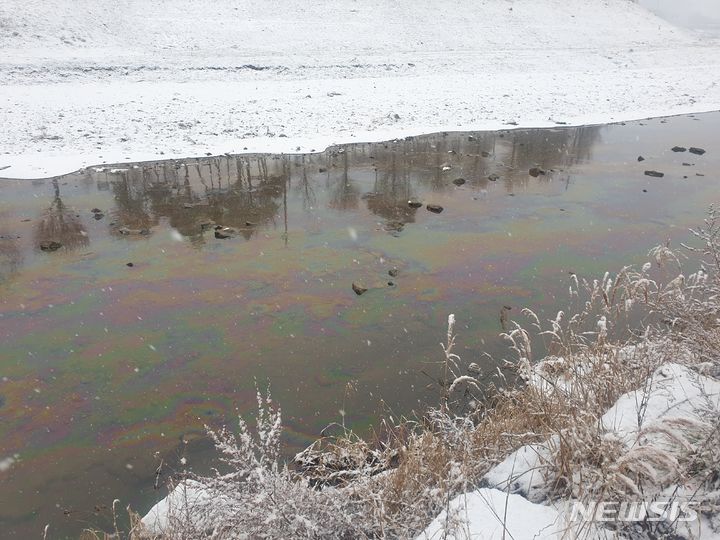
pixel 90 82
pixel 654 459
pixel 649 463
pixel 656 427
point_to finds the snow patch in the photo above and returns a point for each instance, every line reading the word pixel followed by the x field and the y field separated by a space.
pixel 522 471
pixel 490 514
pixel 182 498
pixel 673 392
pixel 7 462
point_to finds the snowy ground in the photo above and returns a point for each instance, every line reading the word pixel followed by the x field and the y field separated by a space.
pixel 92 81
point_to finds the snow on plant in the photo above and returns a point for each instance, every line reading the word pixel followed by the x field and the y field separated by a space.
pixel 460 387
pixel 254 495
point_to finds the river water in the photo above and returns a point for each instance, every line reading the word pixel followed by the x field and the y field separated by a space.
pixel 140 326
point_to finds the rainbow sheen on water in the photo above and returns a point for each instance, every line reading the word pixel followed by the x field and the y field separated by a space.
pixel 108 368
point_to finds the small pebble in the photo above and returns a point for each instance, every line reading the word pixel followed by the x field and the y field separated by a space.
pixel 358 289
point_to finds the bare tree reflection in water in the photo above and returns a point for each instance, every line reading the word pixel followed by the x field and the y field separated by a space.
pixel 249 192
pixel 132 210
pixel 391 192
pixel 60 224
pixel 551 150
pixel 237 192
pixel 418 164
pixel 11 257
pixel 287 174
pixel 305 186
pixel 344 195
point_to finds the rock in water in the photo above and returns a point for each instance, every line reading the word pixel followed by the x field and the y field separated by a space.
pixel 394 226
pixel 414 204
pixel 393 272
pixel 133 232
pixel 655 174
pixel 493 177
pixel 697 151
pixel 640 158
pixel 535 172
pixel 434 208
pixel 359 289
pixel 459 181
pixel 678 149
pixel 50 245
pixel 221 235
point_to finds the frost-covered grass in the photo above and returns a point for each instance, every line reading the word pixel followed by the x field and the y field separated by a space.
pixel 624 405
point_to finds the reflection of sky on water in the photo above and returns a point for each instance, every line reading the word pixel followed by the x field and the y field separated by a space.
pixel 106 364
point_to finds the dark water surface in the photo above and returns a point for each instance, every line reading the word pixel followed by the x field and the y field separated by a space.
pixel 107 368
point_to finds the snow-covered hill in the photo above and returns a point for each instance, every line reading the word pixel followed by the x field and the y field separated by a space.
pixel 319 29
pixel 92 81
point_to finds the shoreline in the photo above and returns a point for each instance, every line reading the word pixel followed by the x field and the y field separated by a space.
pixel 64 165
